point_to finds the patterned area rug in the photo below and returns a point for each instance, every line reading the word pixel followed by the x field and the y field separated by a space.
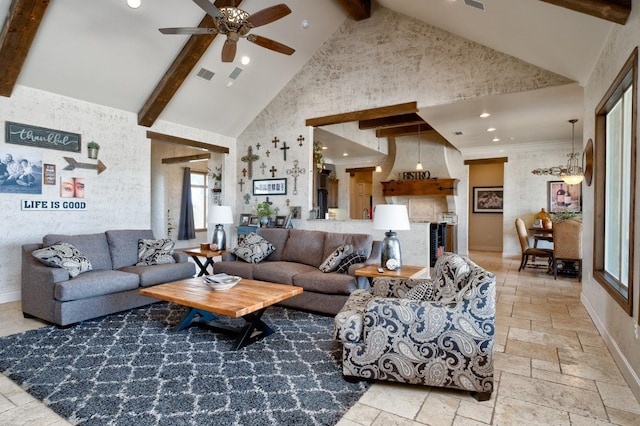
pixel 132 368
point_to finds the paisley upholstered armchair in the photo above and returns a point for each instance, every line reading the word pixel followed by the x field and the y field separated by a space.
pixel 434 332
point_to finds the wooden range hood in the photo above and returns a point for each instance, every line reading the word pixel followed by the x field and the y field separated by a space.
pixel 426 187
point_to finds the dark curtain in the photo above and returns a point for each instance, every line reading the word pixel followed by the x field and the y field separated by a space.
pixel 186 227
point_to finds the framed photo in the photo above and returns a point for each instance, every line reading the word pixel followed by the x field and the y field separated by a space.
pixel 488 199
pixel 270 186
pixel 296 212
pixel 281 221
pixel 253 221
pixel 245 219
pixel 563 197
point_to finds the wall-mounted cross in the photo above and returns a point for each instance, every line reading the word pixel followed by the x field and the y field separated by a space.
pixel 244 172
pixel 275 141
pixel 273 171
pixel 295 172
pixel 268 153
pixel 300 140
pixel 247 198
pixel 284 149
pixel 263 166
pixel 258 146
pixel 241 183
pixel 249 159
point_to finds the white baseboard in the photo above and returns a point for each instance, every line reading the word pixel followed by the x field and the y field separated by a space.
pixel 620 359
pixel 10 297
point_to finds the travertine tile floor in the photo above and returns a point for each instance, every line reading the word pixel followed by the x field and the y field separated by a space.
pixel 551 368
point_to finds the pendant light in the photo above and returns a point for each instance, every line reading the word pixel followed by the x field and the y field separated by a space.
pixel 378 167
pixel 572 173
pixel 419 165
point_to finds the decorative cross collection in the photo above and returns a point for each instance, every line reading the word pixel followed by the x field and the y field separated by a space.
pixel 247 198
pixel 273 171
pixel 275 141
pixel 241 183
pixel 300 140
pixel 258 146
pixel 249 159
pixel 268 153
pixel 284 149
pixel 263 166
pixel 295 172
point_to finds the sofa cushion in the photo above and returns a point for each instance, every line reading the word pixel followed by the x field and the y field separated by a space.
pixel 349 260
pixel 253 248
pixel 361 243
pixel 95 283
pixel 161 273
pixel 319 282
pixel 123 245
pixel 155 252
pixel 332 261
pixel 277 237
pixel 65 256
pixel 306 247
pixel 93 246
pixel 280 272
pixel 241 269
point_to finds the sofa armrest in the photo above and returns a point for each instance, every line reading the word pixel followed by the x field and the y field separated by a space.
pixel 228 256
pixel 395 287
pixel 180 257
pixel 38 284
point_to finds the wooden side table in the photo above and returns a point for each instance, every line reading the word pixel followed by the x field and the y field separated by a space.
pixel 197 253
pixel 406 271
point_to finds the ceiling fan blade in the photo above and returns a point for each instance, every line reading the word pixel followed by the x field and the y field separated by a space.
pixel 209 8
pixel 229 51
pixel 188 30
pixel 270 44
pixel 268 15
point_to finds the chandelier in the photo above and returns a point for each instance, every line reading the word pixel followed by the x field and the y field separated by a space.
pixel 572 173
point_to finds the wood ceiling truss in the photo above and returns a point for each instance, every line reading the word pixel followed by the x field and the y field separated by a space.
pixel 616 11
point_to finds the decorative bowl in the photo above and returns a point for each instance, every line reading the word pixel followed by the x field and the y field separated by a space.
pixel 222 284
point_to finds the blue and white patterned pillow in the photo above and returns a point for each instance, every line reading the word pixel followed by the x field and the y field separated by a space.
pixel 253 248
pixel 65 256
pixel 422 291
pixel 332 261
pixel 155 252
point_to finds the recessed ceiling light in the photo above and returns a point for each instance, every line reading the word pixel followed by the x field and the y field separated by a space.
pixel 229 83
pixel 495 140
pixel 134 4
pixel 325 147
pixel 484 115
pixel 491 129
pixel 305 24
pixel 345 154
pixel 245 60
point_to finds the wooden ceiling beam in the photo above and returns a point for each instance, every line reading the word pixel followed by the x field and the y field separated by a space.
pixel 186 158
pixel 403 130
pixel 365 114
pixel 616 11
pixel 186 142
pixel 358 9
pixel 179 70
pixel 19 30
pixel 392 121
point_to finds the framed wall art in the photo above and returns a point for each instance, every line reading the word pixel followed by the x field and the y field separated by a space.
pixel 270 186
pixel 245 219
pixel 41 137
pixel 488 199
pixel 563 197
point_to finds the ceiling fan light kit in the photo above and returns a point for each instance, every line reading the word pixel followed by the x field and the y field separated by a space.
pixel 235 24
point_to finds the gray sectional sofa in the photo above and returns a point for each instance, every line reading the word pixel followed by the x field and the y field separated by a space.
pixel 295 261
pixel 112 285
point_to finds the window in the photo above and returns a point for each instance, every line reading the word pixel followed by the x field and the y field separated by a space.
pixel 615 186
pixel 200 200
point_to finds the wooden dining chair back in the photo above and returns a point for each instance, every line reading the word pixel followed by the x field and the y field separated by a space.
pixel 529 252
pixel 567 245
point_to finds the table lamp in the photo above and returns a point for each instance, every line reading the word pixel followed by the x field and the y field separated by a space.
pixel 391 216
pixel 220 215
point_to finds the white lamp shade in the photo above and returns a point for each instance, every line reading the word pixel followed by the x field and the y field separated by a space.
pixel 391 217
pixel 220 215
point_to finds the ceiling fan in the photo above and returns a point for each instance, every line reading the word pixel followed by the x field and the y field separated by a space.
pixel 236 23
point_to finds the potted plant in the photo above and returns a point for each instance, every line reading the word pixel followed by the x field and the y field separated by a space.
pixel 264 212
pixel 92 149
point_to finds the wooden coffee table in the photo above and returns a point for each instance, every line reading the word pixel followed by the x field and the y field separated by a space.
pixel 247 299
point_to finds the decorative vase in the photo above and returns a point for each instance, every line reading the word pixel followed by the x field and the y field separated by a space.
pixel 92 153
pixel 264 221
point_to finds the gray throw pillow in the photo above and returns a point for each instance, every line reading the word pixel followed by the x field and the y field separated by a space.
pixel 253 248
pixel 155 252
pixel 65 256
pixel 349 260
pixel 332 261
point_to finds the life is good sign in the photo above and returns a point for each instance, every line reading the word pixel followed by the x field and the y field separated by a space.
pixel 24 134
pixel 52 205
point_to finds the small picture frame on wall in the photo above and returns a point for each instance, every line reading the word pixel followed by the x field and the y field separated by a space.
pixel 270 186
pixel 488 199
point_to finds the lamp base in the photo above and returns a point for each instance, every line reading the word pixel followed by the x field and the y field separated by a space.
pixel 391 250
pixel 219 237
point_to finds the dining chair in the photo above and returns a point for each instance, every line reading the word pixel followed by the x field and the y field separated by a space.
pixel 567 245
pixel 527 250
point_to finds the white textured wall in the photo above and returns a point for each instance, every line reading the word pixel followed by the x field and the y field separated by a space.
pixel 117 198
pixel 614 324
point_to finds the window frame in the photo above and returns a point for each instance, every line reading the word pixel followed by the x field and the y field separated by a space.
pixel 627 77
pixel 205 186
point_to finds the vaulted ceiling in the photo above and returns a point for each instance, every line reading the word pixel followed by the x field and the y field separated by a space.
pixel 106 53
